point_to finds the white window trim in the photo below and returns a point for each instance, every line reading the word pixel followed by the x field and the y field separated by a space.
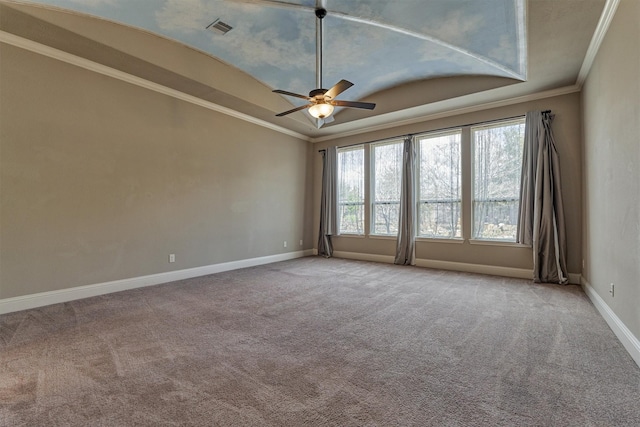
pixel 494 123
pixel 496 242
pixel 436 134
pixel 455 240
pixel 467 189
pixel 364 199
pixel 354 235
pixel 383 236
pixel 372 185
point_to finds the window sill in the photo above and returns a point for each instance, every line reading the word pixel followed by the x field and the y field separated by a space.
pixel 497 243
pixel 439 240
pixel 383 237
pixel 357 236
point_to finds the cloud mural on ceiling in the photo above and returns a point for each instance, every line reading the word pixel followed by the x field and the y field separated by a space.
pixel 375 44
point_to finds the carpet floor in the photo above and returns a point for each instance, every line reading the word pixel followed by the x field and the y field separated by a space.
pixel 319 342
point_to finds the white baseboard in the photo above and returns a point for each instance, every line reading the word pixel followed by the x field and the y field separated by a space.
pixel 364 257
pixel 626 337
pixel 26 302
pixel 520 273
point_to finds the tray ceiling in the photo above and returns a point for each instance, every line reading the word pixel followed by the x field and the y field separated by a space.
pixel 379 45
pixel 375 44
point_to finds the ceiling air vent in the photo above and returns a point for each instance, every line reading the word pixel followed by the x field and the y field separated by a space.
pixel 219 27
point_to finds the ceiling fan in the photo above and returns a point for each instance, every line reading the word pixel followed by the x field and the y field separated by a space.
pixel 322 101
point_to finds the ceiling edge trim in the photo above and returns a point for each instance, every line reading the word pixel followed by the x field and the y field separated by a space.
pixel 522 36
pixel 608 12
pixel 48 51
pixel 455 112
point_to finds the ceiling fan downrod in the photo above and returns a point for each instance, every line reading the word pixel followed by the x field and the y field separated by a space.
pixel 320 14
pixel 321 102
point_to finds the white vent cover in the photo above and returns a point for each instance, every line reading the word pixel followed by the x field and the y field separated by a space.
pixel 219 27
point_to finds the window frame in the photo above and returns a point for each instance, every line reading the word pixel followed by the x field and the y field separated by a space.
pixel 364 188
pixel 473 239
pixel 372 186
pixel 418 201
pixel 467 185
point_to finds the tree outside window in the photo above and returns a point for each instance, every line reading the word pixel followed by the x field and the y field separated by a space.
pixel 351 190
pixel 387 182
pixel 497 166
pixel 440 182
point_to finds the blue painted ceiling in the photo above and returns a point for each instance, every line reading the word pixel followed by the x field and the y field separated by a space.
pixel 375 44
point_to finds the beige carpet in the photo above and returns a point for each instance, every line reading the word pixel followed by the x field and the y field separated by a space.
pixel 316 342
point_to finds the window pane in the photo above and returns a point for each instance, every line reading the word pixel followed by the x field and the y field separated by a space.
pixel 440 186
pixel 351 190
pixel 387 181
pixel 497 170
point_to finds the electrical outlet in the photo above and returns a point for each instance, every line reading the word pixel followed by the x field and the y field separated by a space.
pixel 172 257
pixel 285 243
pixel 612 289
pixel 300 242
pixel 583 264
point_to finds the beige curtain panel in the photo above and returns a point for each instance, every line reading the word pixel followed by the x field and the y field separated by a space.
pixel 541 223
pixel 328 202
pixel 405 248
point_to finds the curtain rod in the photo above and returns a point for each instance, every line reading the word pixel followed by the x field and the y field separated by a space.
pixel 434 130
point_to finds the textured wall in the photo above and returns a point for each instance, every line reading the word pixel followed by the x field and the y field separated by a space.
pixel 101 180
pixel 611 104
pixel 566 127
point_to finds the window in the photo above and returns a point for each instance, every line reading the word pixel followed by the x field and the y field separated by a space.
pixel 497 165
pixel 351 190
pixel 467 183
pixel 439 185
pixel 387 180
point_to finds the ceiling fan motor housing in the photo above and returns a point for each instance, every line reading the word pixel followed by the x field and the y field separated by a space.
pixel 314 93
pixel 322 101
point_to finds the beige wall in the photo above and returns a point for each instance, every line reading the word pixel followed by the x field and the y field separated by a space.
pixel 611 110
pixel 101 180
pixel 567 131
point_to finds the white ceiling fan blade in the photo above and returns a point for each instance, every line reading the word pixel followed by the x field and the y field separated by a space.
pixel 302 107
pixel 338 88
pixel 353 104
pixel 286 92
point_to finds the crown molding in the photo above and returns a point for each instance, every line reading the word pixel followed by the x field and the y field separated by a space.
pixel 368 125
pixel 608 12
pixel 453 112
pixel 69 58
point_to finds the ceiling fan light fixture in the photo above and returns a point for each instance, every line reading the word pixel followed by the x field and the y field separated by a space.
pixel 321 100
pixel 321 110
